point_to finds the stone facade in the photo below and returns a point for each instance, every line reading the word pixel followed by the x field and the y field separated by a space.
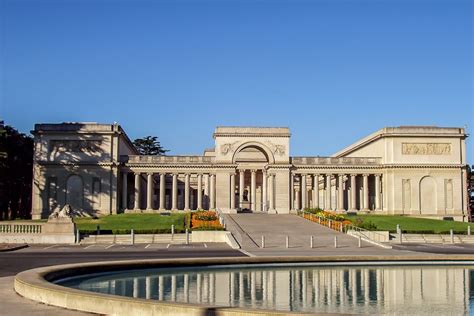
pixel 415 170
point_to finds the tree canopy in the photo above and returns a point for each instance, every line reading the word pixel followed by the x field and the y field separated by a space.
pixel 16 171
pixel 149 145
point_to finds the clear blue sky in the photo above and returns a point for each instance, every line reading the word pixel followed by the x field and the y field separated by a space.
pixel 331 70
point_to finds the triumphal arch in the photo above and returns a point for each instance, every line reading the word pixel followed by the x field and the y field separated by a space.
pixel 410 170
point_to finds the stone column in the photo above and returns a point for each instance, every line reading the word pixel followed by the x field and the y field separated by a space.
pixel 327 203
pixel 353 192
pixel 292 191
pixel 253 190
pixel 303 191
pixel 241 187
pixel 212 192
pixel 366 192
pixel 377 192
pixel 206 190
pixel 264 191
pixel 297 198
pixel 340 200
pixel 124 190
pixel 232 191
pixel 272 191
pixel 149 191
pixel 316 191
pixel 186 192
pixel 136 204
pixel 162 191
pixel 199 192
pixel 174 199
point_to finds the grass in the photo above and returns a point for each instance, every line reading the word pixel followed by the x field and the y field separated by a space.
pixel 123 223
pixel 412 224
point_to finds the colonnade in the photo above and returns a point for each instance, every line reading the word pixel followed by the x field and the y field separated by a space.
pixel 267 185
pixel 206 197
pixel 352 192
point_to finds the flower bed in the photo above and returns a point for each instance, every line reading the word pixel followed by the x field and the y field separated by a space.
pixel 326 218
pixel 205 220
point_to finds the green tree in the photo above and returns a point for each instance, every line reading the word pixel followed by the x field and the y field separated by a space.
pixel 16 172
pixel 149 145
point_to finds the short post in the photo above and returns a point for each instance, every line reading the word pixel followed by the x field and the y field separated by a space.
pixel 98 230
pixel 311 241
pixel 329 223
pixel 398 229
pixel 132 237
pixel 335 241
pixel 287 241
pixel 360 242
pixel 187 236
pixel 319 218
pixel 452 235
pixel 400 236
pixel 341 228
pixel 172 232
pixel 263 241
pixel 78 236
pixel 469 230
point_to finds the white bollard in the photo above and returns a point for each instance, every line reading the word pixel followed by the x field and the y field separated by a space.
pixel 287 241
pixel 400 236
pixel 360 242
pixel 172 232
pixel 469 230
pixel 335 241
pixel 452 235
pixel 311 241
pixel 319 218
pixel 187 236
pixel 132 237
pixel 263 241
pixel 341 229
pixel 78 236
pixel 398 229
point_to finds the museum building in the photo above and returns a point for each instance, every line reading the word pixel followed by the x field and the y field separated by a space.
pixel 410 170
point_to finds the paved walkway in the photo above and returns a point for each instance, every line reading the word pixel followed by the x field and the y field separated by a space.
pixel 249 229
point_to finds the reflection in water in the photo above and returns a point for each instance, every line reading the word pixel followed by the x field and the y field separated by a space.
pixel 378 290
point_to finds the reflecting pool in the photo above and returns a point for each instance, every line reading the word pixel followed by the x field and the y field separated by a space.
pixel 446 290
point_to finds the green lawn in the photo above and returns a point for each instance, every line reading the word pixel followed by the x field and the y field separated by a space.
pixel 411 224
pixel 140 223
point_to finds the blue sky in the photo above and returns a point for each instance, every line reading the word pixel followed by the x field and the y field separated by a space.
pixel 331 70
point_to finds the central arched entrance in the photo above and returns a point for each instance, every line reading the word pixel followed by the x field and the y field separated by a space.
pixel 251 183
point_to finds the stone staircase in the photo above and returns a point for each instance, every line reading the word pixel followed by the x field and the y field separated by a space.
pixel 432 239
pixel 138 239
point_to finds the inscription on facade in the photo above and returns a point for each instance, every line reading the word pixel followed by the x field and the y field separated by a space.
pixel 426 149
pixel 76 146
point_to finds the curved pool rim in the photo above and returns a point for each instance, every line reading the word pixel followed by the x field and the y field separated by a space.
pixel 37 284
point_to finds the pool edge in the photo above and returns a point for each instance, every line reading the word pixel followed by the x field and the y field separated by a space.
pixel 33 284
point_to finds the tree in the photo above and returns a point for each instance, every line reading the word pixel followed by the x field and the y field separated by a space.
pixel 149 145
pixel 16 172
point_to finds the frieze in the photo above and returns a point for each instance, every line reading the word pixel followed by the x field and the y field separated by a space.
pixel 76 146
pixel 426 148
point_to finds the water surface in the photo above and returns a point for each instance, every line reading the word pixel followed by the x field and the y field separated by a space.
pixel 415 290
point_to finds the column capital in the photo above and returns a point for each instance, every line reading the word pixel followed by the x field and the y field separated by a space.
pixel 378 175
pixel 253 170
pixel 150 173
pixel 354 174
pixel 137 173
pixel 366 174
